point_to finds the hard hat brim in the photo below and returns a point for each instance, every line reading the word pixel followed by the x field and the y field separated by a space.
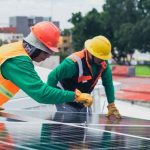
pixel 88 44
pixel 31 39
pixel 55 49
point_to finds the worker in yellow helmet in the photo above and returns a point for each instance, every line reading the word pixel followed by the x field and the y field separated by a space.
pixel 81 70
pixel 17 70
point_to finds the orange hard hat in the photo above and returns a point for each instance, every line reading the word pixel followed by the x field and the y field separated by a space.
pixel 47 33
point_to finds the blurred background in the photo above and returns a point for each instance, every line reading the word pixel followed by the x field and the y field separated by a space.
pixel 125 22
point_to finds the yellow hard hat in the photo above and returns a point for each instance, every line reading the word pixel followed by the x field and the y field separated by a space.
pixel 99 47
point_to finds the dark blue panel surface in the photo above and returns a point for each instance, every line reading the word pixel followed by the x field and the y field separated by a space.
pixel 72 131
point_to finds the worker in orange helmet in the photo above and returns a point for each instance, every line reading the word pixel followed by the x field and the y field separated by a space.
pixel 82 70
pixel 17 69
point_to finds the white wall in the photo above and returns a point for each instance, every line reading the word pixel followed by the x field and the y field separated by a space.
pixel 49 63
pixel 11 37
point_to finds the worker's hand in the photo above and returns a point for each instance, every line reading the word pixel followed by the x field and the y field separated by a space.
pixel 113 111
pixel 84 98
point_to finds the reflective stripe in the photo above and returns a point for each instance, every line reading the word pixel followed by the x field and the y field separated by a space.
pixel 7 88
pixel 59 85
pixel 84 79
pixel 103 64
pixel 5 92
pixel 79 61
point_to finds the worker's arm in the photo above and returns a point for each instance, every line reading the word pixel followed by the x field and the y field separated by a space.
pixel 20 71
pixel 108 84
pixel 67 69
pixel 109 89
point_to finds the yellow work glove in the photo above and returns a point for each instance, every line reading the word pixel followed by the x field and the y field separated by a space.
pixel 113 111
pixel 84 98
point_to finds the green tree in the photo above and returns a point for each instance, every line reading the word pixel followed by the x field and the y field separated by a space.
pixel 142 31
pixel 66 32
pixel 123 15
pixel 85 27
pixel 124 22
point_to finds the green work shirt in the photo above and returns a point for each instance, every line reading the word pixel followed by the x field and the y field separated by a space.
pixel 68 69
pixel 20 70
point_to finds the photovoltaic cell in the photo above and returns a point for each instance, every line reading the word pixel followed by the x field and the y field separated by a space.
pixel 71 131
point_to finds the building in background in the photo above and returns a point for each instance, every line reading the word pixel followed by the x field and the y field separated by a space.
pixel 23 23
pixel 10 37
pixel 65 44
pixel 19 27
pixel 9 34
pixel 8 30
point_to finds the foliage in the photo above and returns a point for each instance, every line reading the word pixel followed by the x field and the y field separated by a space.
pixel 66 32
pixel 85 27
pixel 125 22
pixel 124 15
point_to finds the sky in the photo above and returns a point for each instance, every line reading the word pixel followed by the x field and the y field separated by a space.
pixel 59 10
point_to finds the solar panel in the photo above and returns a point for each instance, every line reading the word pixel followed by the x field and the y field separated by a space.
pixel 42 130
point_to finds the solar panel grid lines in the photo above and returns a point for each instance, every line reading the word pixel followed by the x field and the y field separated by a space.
pixel 141 131
pixel 118 133
pixel 57 141
pixel 11 146
pixel 73 133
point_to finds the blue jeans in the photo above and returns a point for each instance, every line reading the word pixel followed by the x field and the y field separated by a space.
pixel 67 108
